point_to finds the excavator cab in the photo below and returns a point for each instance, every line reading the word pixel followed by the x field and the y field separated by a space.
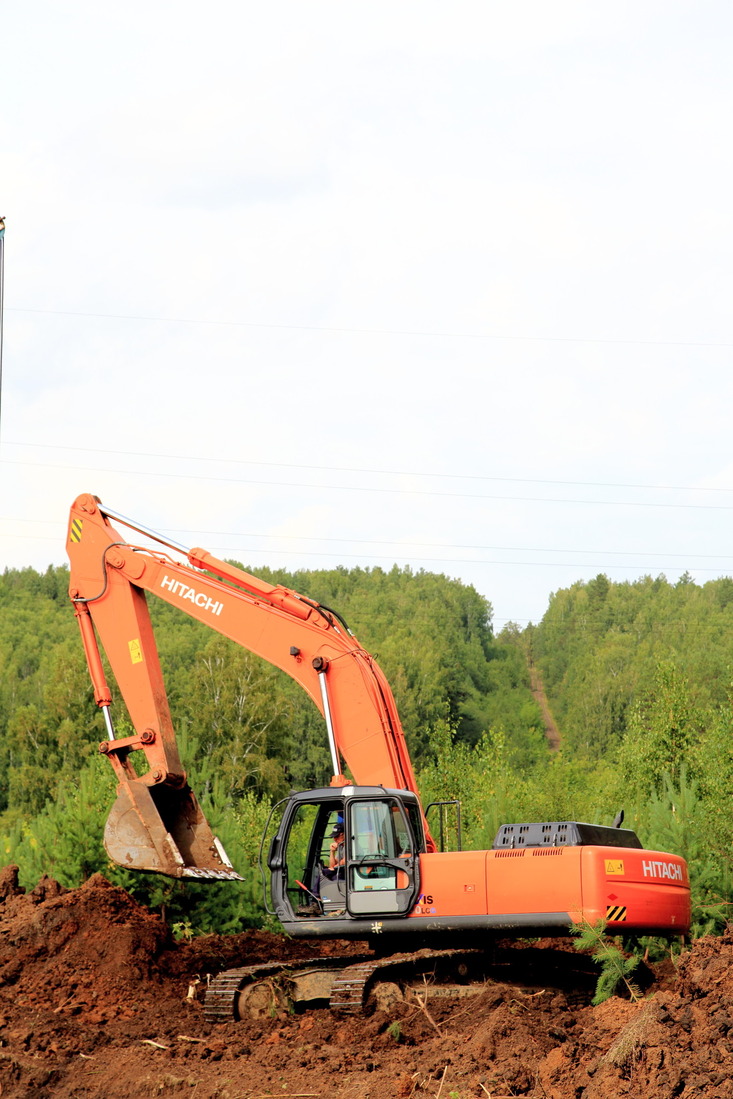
pixel 383 839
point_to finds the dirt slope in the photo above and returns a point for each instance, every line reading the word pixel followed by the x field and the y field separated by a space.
pixel 93 1005
pixel 536 686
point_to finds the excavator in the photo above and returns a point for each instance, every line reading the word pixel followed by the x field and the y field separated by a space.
pixel 417 906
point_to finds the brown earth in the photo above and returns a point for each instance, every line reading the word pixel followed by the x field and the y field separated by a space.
pixel 94 1004
pixel 536 686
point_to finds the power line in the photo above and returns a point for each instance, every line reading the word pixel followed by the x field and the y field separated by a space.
pixel 409 559
pixel 382 491
pixel 405 544
pixel 460 560
pixel 454 545
pixel 376 331
pixel 378 472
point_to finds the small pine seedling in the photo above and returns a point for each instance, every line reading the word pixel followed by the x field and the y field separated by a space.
pixel 395 1030
pixel 616 970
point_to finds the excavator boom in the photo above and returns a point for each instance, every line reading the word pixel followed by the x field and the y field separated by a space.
pixel 156 823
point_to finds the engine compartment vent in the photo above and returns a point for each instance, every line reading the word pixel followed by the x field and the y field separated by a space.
pixel 566 833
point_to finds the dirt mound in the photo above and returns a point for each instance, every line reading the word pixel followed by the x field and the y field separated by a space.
pixel 98 931
pixel 97 1002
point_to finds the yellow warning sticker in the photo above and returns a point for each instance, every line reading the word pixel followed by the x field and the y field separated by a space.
pixel 616 912
pixel 614 866
pixel 76 527
pixel 136 652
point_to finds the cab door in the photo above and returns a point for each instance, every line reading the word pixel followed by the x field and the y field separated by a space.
pixel 382 865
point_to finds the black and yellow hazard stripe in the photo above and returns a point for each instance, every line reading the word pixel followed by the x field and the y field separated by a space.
pixel 616 912
pixel 75 533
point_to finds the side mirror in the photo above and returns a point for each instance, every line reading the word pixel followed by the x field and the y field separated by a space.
pixel 274 860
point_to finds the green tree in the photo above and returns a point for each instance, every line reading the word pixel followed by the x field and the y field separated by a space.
pixel 663 726
pixel 239 717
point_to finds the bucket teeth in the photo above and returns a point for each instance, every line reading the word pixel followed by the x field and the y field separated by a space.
pixel 211 875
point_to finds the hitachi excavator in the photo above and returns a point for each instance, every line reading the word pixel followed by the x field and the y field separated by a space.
pixel 394 886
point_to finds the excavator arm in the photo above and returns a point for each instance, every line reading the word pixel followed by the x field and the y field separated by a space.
pixel 156 823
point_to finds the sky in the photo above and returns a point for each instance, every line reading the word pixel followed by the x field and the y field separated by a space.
pixel 426 284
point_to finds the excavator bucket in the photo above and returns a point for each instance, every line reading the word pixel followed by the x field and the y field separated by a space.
pixel 163 829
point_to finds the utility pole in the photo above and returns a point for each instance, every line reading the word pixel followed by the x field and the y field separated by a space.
pixel 2 288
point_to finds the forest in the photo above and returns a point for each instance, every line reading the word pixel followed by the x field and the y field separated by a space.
pixel 636 675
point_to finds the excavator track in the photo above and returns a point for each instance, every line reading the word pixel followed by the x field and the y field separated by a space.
pixel 346 983
pixel 347 993
pixel 222 994
pixel 350 988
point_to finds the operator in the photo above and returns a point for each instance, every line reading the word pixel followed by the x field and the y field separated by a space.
pixel 334 871
pixel 336 857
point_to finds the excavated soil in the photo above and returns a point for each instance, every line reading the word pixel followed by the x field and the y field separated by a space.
pixel 97 1002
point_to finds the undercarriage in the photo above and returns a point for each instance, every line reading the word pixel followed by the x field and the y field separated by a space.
pixel 364 983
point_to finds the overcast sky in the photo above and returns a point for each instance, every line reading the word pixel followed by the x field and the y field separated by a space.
pixel 446 285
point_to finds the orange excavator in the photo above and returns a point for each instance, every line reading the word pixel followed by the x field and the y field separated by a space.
pixel 393 883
